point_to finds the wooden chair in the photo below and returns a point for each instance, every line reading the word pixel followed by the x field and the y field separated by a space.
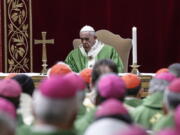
pixel 123 46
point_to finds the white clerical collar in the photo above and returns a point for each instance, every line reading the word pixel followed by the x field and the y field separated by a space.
pixel 93 52
pixel 45 128
pixel 94 49
pixel 130 98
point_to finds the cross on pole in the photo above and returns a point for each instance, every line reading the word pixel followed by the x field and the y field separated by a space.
pixel 44 42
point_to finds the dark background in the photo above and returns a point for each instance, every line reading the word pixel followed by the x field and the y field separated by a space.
pixel 157 21
pixel 1 37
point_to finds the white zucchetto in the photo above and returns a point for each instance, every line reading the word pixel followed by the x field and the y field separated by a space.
pixel 87 28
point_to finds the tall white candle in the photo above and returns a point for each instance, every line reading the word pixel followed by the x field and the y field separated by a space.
pixel 134 45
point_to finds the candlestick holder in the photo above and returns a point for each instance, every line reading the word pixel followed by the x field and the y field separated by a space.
pixel 44 65
pixel 134 69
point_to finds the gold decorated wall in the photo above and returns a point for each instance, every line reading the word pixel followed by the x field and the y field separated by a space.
pixel 17 36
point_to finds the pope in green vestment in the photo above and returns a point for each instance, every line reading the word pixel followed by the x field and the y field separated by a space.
pixel 150 111
pixel 90 51
pixel 78 59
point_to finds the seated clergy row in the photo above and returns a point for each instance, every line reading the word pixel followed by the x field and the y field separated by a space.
pixel 94 101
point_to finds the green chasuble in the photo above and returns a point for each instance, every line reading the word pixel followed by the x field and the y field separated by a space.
pixel 77 61
pixel 28 130
pixel 20 120
pixel 81 112
pixel 82 123
pixel 167 121
pixel 150 111
pixel 132 101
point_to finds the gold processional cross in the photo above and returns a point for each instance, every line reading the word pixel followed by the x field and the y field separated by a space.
pixel 44 41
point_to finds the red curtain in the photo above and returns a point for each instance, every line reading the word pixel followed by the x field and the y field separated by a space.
pixel 157 21
pixel 1 36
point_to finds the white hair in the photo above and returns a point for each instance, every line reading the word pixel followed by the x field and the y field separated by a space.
pixel 157 85
pixel 88 28
pixel 54 110
pixel 7 124
pixel 106 126
pixel 81 95
pixel 175 69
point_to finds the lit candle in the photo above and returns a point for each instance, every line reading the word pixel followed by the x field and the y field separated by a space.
pixel 134 45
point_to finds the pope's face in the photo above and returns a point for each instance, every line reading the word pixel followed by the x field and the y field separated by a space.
pixel 88 40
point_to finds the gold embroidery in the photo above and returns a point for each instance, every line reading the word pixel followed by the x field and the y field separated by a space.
pixel 155 118
pixel 17 36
